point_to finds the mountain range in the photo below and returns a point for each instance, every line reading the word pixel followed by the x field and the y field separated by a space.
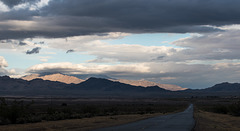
pixel 100 87
pixel 97 87
pixel 75 79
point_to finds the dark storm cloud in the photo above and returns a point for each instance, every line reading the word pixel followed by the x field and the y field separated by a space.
pixel 23 14
pixel 142 14
pixel 11 3
pixel 84 17
pixel 33 51
pixel 31 34
pixel 70 51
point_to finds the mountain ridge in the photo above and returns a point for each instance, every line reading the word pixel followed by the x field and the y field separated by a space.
pixel 90 87
pixel 99 87
pixel 145 83
pixel 225 86
pixel 54 77
pixel 68 79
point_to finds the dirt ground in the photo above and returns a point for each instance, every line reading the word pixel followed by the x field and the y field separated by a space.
pixel 207 121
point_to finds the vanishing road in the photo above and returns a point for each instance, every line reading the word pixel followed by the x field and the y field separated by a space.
pixel 182 121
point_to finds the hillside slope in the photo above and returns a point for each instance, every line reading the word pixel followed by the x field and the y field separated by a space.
pixel 55 77
pixel 145 83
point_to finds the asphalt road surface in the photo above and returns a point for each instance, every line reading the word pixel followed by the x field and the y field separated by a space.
pixel 182 121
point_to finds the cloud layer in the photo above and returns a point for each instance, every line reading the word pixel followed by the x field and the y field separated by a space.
pixel 66 18
pixel 70 68
pixel 214 46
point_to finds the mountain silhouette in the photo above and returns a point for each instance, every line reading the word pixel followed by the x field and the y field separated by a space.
pixel 108 85
pixel 146 83
pixel 226 87
pixel 76 79
pixel 97 86
pixel 100 87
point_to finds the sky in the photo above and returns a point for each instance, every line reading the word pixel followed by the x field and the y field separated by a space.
pixel 191 43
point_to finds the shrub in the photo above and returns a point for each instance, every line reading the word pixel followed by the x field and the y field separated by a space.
pixel 14 112
pixel 234 109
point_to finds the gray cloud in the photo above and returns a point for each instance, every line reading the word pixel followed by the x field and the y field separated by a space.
pixel 33 51
pixel 11 3
pixel 83 17
pixel 23 14
pixel 214 46
pixel 70 68
pixel 106 52
pixel 22 43
pixel 70 51
pixel 102 60
pixel 41 42
pixel 207 47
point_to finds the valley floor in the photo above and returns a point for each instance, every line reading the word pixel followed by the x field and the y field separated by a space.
pixel 84 124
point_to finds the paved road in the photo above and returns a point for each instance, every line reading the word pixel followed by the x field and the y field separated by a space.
pixel 182 121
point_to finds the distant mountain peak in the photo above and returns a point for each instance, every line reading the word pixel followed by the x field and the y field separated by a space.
pixel 145 83
pixel 55 77
pixel 225 86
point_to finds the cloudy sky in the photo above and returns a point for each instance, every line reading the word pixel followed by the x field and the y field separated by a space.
pixel 190 43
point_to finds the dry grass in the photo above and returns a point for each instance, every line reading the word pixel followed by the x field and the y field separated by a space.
pixel 207 121
pixel 84 124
